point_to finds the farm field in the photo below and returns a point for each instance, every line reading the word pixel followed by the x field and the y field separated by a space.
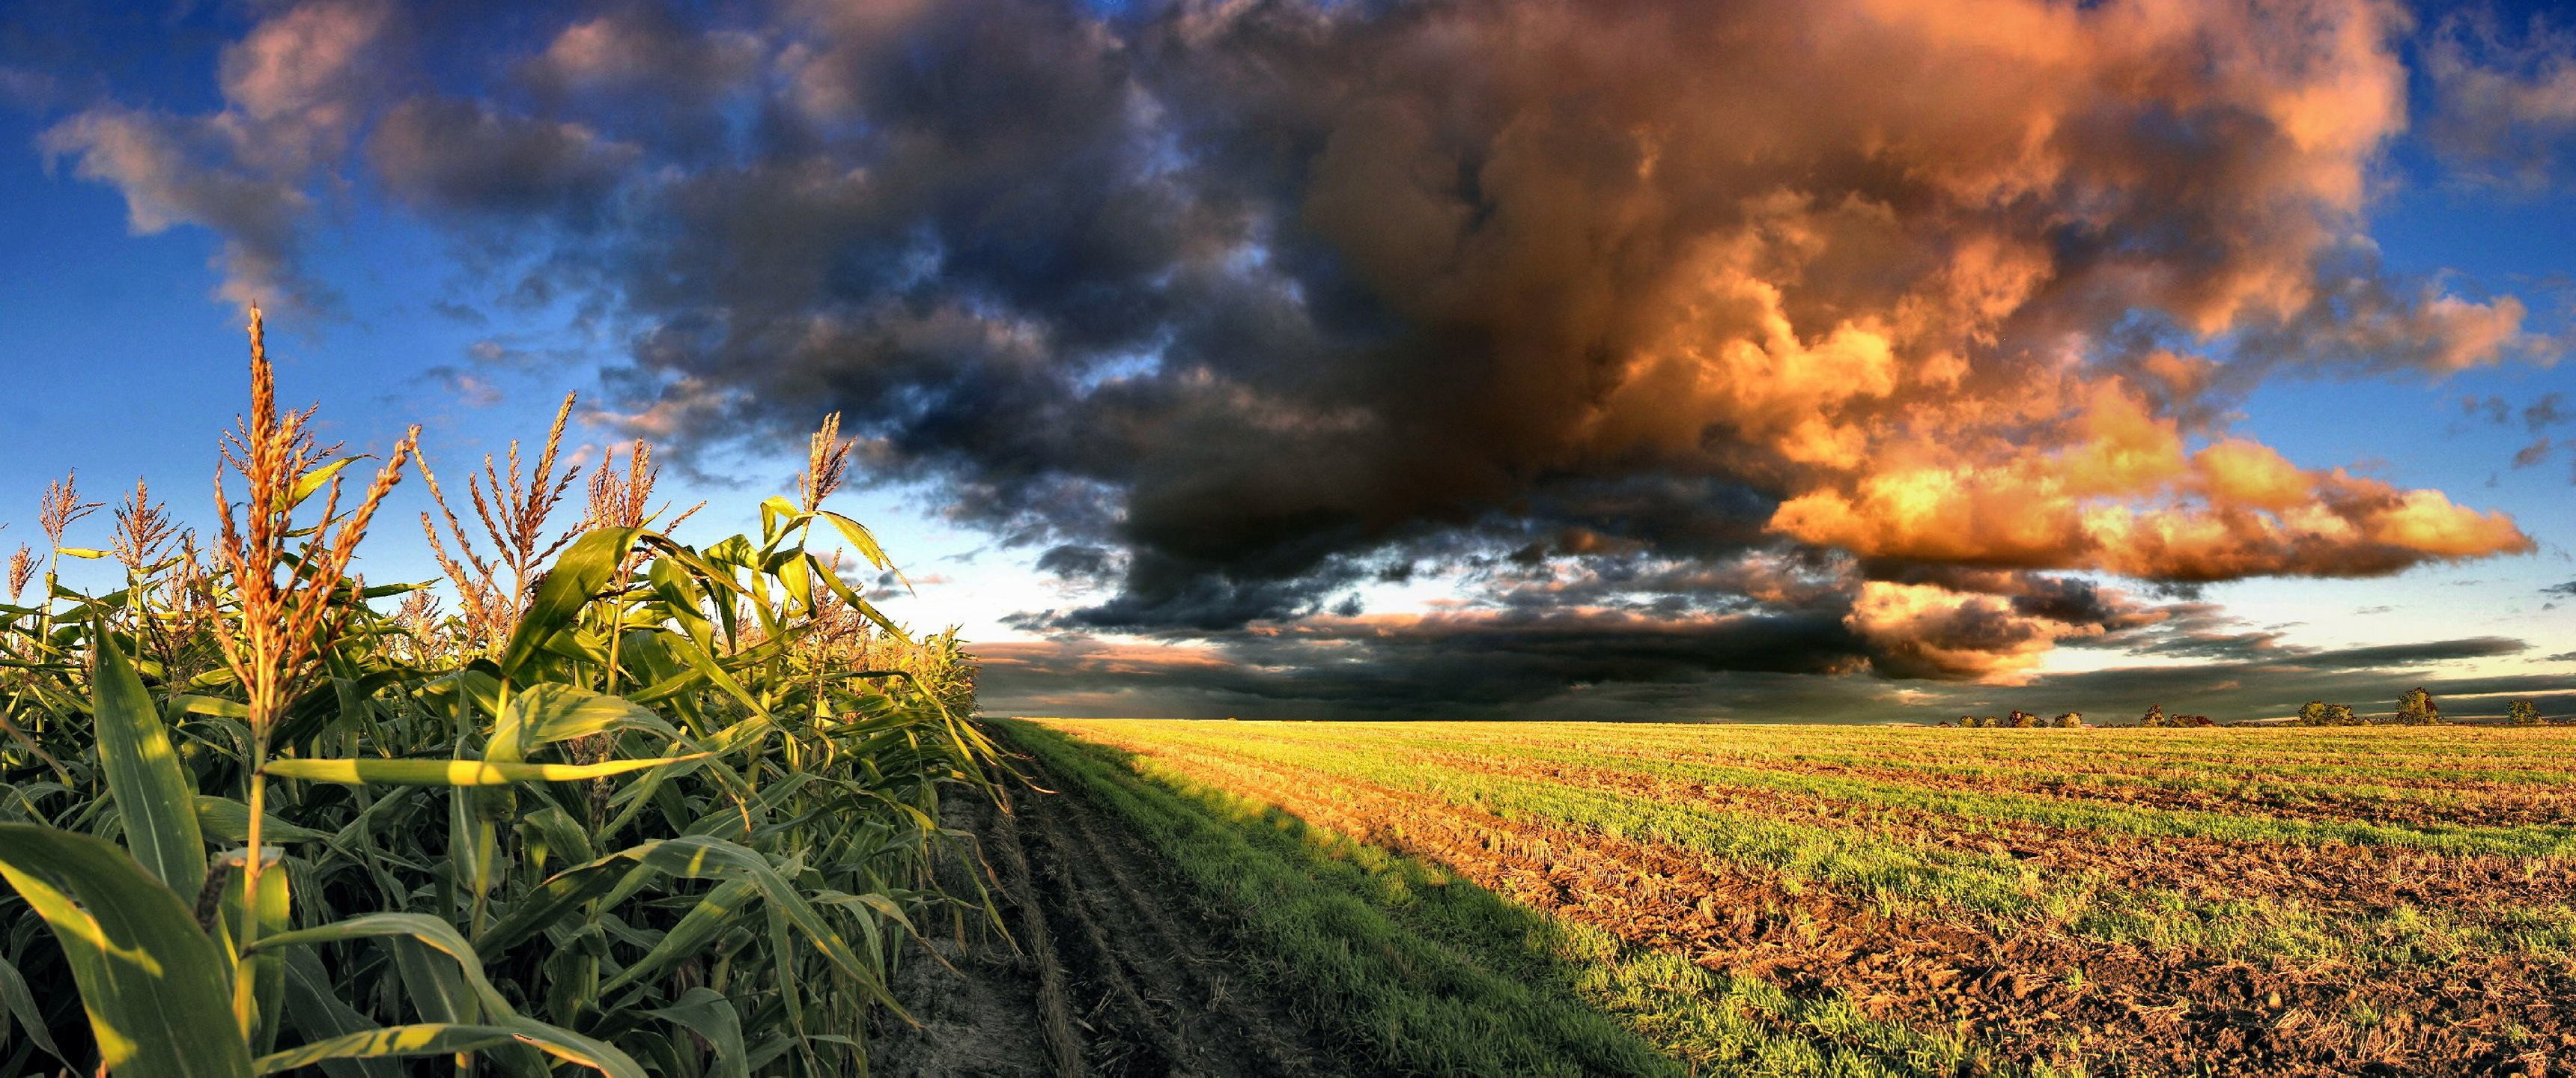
pixel 1580 898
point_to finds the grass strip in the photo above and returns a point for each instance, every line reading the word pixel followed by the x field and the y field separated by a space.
pixel 2114 818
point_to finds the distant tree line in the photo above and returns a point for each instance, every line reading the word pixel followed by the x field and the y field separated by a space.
pixel 2416 707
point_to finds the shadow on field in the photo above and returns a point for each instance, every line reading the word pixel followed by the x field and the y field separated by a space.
pixel 1117 970
pixel 1196 931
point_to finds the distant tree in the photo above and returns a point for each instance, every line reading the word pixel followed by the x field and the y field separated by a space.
pixel 2023 720
pixel 2341 715
pixel 2312 713
pixel 2522 713
pixel 2155 716
pixel 2069 721
pixel 2417 708
pixel 2191 720
pixel 1967 722
pixel 1990 722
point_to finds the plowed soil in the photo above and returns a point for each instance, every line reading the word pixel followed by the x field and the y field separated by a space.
pixel 1110 967
pixel 2141 1010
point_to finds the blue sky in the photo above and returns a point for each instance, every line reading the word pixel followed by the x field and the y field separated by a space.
pixel 127 359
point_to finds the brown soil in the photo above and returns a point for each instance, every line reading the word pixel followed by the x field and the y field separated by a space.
pixel 2330 877
pixel 2136 1010
pixel 1110 968
pixel 2462 805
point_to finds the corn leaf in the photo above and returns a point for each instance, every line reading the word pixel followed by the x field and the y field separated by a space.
pixel 314 1003
pixel 226 820
pixel 713 914
pixel 310 482
pixel 156 989
pixel 454 772
pixel 545 713
pixel 22 1005
pixel 260 976
pixel 578 575
pixel 425 1039
pixel 412 929
pixel 152 793
pixel 706 1012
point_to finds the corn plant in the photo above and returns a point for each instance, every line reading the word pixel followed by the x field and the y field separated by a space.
pixel 639 807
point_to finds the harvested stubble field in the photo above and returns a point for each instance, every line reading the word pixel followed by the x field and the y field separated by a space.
pixel 1577 898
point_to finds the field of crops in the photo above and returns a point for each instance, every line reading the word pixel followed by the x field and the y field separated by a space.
pixel 1789 900
pixel 630 804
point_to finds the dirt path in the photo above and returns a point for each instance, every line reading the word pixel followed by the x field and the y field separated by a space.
pixel 1117 970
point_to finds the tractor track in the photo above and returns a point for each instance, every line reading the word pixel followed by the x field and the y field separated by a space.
pixel 1116 971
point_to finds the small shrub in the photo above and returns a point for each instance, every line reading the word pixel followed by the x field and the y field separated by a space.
pixel 2023 720
pixel 2522 713
pixel 2068 721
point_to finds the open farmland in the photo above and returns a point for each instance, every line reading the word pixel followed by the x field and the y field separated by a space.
pixel 1668 898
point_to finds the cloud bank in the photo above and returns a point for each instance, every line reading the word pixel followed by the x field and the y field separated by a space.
pixel 1772 338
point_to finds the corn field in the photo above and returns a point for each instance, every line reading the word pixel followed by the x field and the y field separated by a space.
pixel 632 805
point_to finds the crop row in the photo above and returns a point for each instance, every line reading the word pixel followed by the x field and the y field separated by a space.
pixel 2056 941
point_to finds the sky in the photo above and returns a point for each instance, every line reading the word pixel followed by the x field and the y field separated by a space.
pixel 1854 360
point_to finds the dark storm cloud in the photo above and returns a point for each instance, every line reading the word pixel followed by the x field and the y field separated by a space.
pixel 447 155
pixel 1516 664
pixel 1663 325
pixel 1746 671
pixel 2403 655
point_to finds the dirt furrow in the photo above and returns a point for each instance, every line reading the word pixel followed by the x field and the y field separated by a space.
pixel 1110 967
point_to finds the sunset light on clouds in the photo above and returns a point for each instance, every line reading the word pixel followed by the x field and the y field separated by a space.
pixel 1860 359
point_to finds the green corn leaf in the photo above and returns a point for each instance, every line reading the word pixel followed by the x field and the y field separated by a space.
pixel 157 991
pixel 425 1039
pixel 22 1005
pixel 454 772
pixel 863 540
pixel 226 820
pixel 706 1012
pixel 860 603
pixel 437 988
pixel 713 914
pixel 699 659
pixel 580 573
pixel 309 483
pixel 561 892
pixel 313 1002
pixel 796 574
pixel 260 975
pixel 694 857
pixel 186 704
pixel 410 931
pixel 152 792
pixel 546 713
pixel 559 833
